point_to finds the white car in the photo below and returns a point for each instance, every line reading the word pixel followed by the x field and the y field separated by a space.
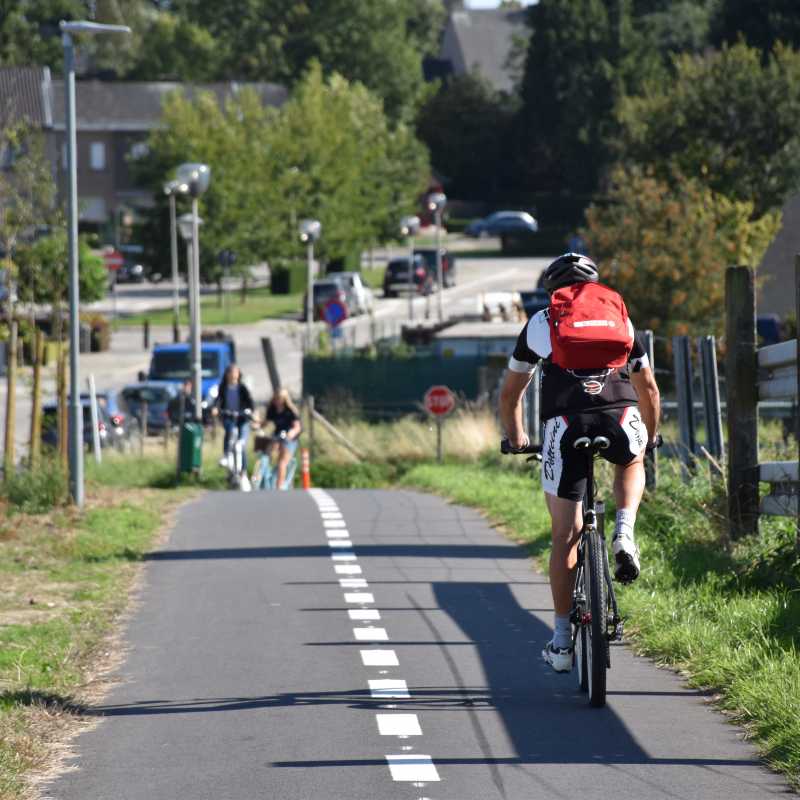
pixel 363 299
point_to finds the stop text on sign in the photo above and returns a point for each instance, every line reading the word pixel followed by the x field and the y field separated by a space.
pixel 439 401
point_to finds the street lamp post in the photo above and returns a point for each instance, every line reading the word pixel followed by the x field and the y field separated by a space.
pixel 197 178
pixel 310 230
pixel 75 424
pixel 436 203
pixel 409 227
pixel 171 189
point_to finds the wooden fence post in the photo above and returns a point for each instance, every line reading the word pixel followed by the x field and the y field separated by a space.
pixel 9 456
pixel 651 458
pixel 741 371
pixel 36 400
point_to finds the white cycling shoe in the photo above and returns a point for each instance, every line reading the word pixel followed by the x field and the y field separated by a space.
pixel 559 658
pixel 626 555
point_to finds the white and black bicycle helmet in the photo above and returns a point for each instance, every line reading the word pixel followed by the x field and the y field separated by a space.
pixel 568 269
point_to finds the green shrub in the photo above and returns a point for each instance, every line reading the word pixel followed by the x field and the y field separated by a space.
pixel 289 278
pixel 36 491
pixel 362 475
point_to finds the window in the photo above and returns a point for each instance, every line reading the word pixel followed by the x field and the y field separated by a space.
pixel 97 156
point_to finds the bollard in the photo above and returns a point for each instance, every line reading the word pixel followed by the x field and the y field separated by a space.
pixel 146 334
pixel 306 469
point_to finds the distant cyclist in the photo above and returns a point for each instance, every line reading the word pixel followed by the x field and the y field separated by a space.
pixel 596 381
pixel 283 413
pixel 235 405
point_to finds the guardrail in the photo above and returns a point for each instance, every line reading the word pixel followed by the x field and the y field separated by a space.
pixel 756 374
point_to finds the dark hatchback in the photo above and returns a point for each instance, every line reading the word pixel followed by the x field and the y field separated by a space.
pixel 110 434
pixel 396 279
pixel 448 264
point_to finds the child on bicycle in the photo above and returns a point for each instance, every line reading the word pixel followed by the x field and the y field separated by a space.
pixel 234 404
pixel 616 397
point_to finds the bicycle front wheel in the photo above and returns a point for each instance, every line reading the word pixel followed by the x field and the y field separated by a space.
pixel 597 602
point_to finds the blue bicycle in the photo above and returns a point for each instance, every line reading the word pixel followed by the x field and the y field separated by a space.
pixel 265 474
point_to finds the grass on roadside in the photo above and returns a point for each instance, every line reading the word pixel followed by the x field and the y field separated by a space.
pixel 725 617
pixel 64 578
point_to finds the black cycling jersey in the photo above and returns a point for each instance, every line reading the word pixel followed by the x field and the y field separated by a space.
pixel 566 392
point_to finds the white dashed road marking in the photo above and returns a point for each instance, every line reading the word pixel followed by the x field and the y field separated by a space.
pixel 412 768
pixel 406 767
pixel 388 687
pixel 379 658
pixel 398 725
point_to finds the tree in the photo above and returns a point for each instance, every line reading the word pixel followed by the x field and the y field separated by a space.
pixel 466 117
pixel 29 32
pixel 761 23
pixel 329 153
pixel 666 247
pixel 725 118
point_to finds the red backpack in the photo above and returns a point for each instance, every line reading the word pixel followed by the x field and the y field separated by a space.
pixel 589 327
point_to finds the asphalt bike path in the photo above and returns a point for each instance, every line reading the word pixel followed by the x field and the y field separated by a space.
pixel 363 645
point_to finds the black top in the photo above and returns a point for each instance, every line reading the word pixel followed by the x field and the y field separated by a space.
pixel 566 392
pixel 283 419
pixel 245 398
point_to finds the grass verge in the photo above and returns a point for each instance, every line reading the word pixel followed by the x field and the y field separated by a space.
pixel 64 579
pixel 724 615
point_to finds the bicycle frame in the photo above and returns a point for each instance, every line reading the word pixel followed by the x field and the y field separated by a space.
pixel 581 613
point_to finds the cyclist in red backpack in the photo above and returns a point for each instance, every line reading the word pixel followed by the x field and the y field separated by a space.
pixel 596 381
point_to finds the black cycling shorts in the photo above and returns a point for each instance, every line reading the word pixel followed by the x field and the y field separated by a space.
pixel 565 470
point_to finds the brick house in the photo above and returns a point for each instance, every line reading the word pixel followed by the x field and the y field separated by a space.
pixel 114 119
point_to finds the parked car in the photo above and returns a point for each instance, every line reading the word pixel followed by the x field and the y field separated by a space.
pixel 113 404
pixel 157 395
pixel 448 264
pixel 534 301
pixel 325 290
pixel 171 363
pixel 396 277
pixel 110 434
pixel 360 298
pixel 130 272
pixel 502 223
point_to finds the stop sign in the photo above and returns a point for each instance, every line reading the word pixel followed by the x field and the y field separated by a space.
pixel 439 401
pixel 113 258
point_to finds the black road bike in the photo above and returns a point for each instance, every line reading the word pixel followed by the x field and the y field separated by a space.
pixel 594 615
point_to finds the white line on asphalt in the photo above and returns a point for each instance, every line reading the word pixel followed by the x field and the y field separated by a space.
pixel 379 658
pixel 331 515
pixel 412 768
pixel 353 583
pixel 371 634
pixel 358 597
pixel 398 725
pixel 389 687
pixel 339 543
pixel 363 613
pixel 333 523
pixel 343 556
pixel 340 533
pixel 347 569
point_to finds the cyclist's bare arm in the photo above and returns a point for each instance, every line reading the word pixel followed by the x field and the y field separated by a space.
pixel 649 399
pixel 514 386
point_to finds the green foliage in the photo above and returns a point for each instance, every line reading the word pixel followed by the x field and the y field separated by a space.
pixel 43 270
pixel 761 23
pixel 29 31
pixel 667 247
pixel 36 491
pixel 464 117
pixel 726 118
pixel 329 153
pixel 363 475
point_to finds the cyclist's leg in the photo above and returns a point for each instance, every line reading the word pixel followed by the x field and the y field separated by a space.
pixel 564 481
pixel 628 436
pixel 244 433
pixel 287 451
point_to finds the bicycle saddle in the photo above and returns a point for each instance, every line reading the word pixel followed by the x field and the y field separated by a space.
pixel 598 443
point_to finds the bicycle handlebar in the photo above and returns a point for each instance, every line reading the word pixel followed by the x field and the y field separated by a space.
pixel 507 450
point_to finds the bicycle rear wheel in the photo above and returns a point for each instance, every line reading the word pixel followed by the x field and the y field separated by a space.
pixel 597 642
pixel 580 629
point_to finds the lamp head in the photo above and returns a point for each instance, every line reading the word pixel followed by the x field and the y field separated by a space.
pixel 197 177
pixel 185 226
pixel 437 201
pixel 409 226
pixel 310 230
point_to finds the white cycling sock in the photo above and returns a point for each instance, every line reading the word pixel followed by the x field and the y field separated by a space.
pixel 626 519
pixel 562 631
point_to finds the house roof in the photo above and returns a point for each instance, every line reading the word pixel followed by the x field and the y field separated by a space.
pixel 482 39
pixel 24 95
pixel 136 105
